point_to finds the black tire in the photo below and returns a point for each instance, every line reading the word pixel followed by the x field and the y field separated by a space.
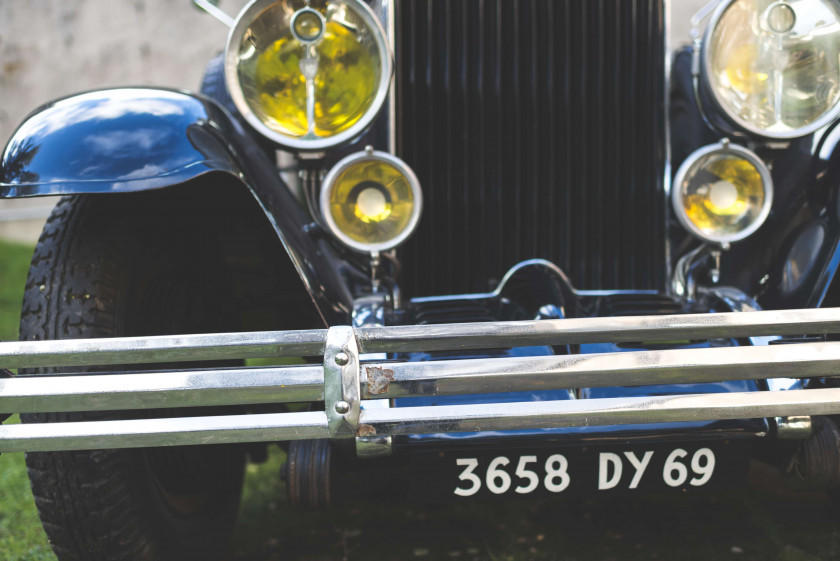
pixel 125 266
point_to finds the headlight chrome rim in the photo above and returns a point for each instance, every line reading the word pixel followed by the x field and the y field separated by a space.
pixel 371 156
pixel 244 20
pixel 724 147
pixel 706 64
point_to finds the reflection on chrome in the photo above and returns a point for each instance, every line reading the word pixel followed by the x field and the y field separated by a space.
pixel 774 67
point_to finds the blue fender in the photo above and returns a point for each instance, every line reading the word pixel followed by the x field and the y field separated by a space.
pixel 113 141
pixel 137 139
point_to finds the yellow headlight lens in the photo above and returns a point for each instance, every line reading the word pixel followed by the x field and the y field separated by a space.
pixel 774 66
pixel 722 193
pixel 310 73
pixel 371 201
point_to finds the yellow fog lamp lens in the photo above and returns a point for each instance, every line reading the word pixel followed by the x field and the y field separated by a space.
pixel 722 193
pixel 371 201
pixel 308 75
pixel 773 66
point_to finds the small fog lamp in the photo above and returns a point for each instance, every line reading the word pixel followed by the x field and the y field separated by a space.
pixel 722 193
pixel 371 201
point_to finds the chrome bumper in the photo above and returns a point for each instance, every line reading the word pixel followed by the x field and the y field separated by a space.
pixel 345 378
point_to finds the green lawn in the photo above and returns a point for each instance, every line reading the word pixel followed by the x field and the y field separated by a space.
pixel 759 523
pixel 14 263
pixel 21 535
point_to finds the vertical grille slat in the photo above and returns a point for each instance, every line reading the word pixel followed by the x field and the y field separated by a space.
pixel 536 129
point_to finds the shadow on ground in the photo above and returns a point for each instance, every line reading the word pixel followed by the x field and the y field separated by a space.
pixel 760 522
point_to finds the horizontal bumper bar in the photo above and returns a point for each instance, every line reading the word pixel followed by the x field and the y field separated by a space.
pixel 140 433
pixel 574 331
pixel 380 380
pixel 425 338
pixel 158 349
pixel 416 420
pixel 685 366
pixel 345 378
pixel 598 412
pixel 158 390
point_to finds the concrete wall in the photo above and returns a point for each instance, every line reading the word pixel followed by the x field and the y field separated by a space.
pixel 53 48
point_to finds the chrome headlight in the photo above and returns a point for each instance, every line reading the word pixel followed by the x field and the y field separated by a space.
pixel 774 66
pixel 309 75
pixel 722 193
pixel 371 201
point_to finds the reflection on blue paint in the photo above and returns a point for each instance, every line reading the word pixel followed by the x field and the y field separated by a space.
pixel 747 425
pixel 110 140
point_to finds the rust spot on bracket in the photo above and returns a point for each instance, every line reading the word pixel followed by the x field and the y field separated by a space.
pixel 379 380
pixel 366 430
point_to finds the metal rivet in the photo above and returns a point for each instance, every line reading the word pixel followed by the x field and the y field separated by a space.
pixel 342 407
pixel 342 358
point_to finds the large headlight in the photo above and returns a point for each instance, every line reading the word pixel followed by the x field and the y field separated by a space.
pixel 308 74
pixel 774 66
pixel 722 193
pixel 371 201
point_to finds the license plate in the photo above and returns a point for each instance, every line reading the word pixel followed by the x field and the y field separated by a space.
pixel 542 471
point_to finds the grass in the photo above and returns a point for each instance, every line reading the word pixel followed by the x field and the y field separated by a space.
pixel 762 522
pixel 14 263
pixel 21 535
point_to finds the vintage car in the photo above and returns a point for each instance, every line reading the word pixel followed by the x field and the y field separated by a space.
pixel 485 249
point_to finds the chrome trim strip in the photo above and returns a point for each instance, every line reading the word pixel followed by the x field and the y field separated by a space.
pixel 682 366
pixel 385 11
pixel 593 412
pixel 418 420
pixel 223 346
pixel 138 433
pixel 617 292
pixel 515 269
pixel 381 380
pixel 215 11
pixel 151 390
pixel 392 91
pixel 666 185
pixel 137 350
pixel 596 330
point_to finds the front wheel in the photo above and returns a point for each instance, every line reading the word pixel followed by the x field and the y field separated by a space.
pixel 127 266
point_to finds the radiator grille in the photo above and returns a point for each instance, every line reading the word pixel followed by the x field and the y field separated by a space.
pixel 536 129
